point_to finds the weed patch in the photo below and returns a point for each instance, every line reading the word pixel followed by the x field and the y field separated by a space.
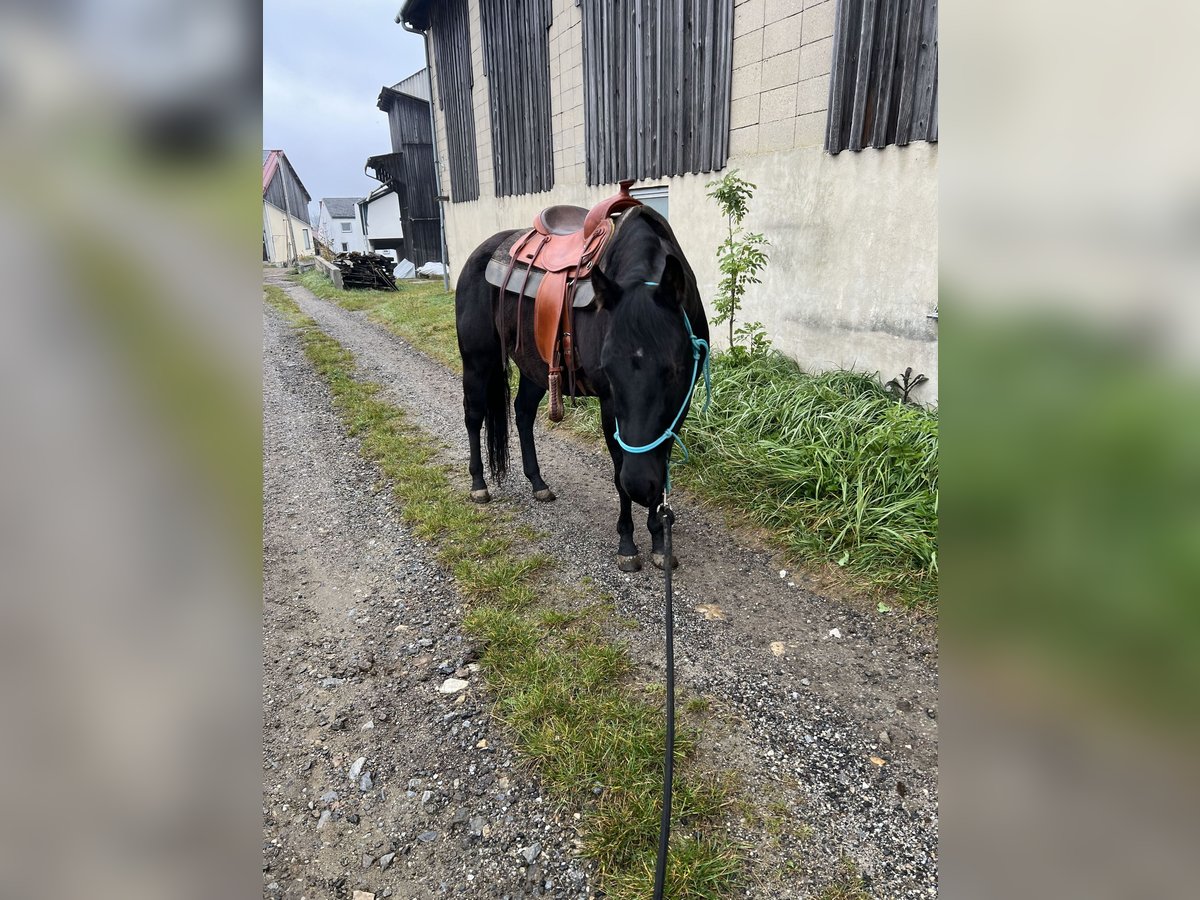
pixel 560 685
pixel 847 886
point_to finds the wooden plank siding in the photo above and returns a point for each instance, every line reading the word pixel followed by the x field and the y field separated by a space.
pixel 296 200
pixel 410 171
pixel 656 87
pixel 516 58
pixel 883 88
pixel 451 31
pixel 408 120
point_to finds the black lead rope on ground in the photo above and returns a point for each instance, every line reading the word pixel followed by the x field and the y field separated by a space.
pixel 667 516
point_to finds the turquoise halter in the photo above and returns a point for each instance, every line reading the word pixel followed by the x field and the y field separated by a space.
pixel 697 345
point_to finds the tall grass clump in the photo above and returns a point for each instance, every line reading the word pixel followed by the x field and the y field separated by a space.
pixel 831 463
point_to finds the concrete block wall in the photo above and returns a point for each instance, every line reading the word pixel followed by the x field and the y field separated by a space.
pixel 853 271
pixel 782 57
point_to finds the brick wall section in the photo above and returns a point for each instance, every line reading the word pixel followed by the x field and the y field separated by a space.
pixel 566 93
pixel 782 57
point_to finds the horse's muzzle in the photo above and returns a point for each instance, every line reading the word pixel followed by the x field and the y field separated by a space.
pixel 643 480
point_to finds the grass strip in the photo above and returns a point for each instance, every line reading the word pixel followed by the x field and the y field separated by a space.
pixel 563 689
pixel 420 312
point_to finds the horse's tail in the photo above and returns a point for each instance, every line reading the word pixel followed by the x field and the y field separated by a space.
pixel 496 420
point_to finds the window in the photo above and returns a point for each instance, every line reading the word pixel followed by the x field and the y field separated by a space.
pixel 452 59
pixel 654 197
pixel 516 57
pixel 345 247
pixel 656 85
pixel 307 242
pixel 884 87
pixel 347 226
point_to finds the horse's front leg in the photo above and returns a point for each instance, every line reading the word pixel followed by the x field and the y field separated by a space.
pixel 628 559
pixel 654 523
pixel 529 395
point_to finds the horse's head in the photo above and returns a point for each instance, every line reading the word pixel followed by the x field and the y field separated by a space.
pixel 647 358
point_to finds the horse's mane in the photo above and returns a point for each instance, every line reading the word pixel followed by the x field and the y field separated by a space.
pixel 638 253
pixel 638 250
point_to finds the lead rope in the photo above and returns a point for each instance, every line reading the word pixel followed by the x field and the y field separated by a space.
pixel 667 517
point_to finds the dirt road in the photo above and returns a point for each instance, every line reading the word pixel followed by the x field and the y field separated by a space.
pixel 827 711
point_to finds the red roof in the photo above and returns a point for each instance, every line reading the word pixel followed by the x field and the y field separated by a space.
pixel 270 164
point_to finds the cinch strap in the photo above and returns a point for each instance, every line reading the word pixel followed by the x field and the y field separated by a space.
pixel 698 344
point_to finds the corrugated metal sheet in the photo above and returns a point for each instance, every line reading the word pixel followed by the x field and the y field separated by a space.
pixel 885 74
pixel 516 57
pixel 415 85
pixel 656 87
pixel 451 33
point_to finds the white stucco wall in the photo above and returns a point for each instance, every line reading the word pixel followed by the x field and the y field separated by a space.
pixel 853 271
pixel 275 233
pixel 331 228
pixel 383 218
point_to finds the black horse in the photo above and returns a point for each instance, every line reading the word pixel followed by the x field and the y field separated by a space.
pixel 635 350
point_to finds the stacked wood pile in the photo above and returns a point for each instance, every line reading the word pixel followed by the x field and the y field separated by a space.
pixel 366 270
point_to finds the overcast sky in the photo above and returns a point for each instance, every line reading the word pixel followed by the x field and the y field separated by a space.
pixel 324 62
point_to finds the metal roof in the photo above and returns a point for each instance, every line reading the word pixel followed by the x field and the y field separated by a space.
pixel 340 207
pixel 415 85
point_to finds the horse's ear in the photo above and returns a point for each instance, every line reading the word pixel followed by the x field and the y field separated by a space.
pixel 672 281
pixel 607 293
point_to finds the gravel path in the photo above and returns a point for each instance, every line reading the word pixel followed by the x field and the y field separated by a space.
pixel 827 711
pixel 359 631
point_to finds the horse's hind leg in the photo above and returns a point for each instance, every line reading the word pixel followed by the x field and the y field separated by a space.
pixel 475 392
pixel 529 395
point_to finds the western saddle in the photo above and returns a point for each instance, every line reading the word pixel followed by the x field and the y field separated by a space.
pixel 555 258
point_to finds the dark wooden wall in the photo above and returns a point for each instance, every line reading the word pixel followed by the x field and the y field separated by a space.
pixel 885 74
pixel 451 32
pixel 516 58
pixel 656 87
pixel 297 198
pixel 409 170
pixel 408 121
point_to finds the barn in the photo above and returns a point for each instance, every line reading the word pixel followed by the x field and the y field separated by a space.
pixel 828 106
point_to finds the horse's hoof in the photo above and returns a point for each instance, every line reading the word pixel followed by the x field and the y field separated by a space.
pixel 481 495
pixel 629 563
pixel 660 560
pixel 545 495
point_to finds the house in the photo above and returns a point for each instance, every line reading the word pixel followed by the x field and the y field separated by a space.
pixel 287 232
pixel 339 226
pixel 828 106
pixel 381 212
pixel 402 215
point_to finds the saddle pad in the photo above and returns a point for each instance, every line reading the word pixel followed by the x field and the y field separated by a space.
pixel 522 279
